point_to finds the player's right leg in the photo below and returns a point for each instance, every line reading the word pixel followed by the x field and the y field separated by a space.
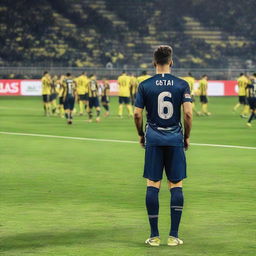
pixel 120 107
pixel 153 172
pixel 89 109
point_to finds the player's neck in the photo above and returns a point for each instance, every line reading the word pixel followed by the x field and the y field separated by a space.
pixel 163 69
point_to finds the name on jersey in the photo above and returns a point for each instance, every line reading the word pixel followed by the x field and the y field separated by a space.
pixel 164 82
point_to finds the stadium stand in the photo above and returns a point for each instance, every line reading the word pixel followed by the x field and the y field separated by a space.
pixel 96 33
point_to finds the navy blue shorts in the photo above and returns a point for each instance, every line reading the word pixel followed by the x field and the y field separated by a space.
pixel 61 100
pixel 203 99
pixel 252 103
pixel 94 102
pixel 125 100
pixel 170 158
pixel 69 103
pixel 105 99
pixel 82 97
pixel 53 96
pixel 46 98
pixel 242 100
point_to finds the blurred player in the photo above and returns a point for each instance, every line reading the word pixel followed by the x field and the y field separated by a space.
pixel 54 94
pixel 143 77
pixel 105 96
pixel 163 95
pixel 82 91
pixel 60 90
pixel 124 94
pixel 191 81
pixel 203 86
pixel 251 96
pixel 133 88
pixel 69 94
pixel 242 83
pixel 46 91
pixel 93 98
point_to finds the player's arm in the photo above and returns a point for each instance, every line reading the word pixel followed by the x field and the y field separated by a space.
pixel 138 120
pixel 187 115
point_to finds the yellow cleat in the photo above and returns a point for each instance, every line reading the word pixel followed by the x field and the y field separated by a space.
pixel 249 124
pixel 174 241
pixel 153 241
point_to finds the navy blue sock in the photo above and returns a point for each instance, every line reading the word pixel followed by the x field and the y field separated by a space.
pixel 153 209
pixel 177 202
pixel 251 117
pixel 106 107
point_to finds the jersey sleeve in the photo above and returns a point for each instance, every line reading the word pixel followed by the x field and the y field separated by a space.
pixel 139 103
pixel 186 94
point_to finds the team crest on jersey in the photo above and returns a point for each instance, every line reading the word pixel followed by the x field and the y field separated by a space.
pixel 187 96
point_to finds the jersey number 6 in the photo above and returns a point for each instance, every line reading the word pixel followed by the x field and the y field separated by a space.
pixel 165 108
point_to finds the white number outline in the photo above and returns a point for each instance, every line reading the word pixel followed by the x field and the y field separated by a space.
pixel 162 105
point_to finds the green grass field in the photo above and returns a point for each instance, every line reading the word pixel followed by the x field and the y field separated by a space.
pixel 73 197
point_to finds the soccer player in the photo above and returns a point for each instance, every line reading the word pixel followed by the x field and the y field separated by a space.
pixel 82 91
pixel 203 86
pixel 46 91
pixel 105 96
pixel 124 94
pixel 53 95
pixel 163 95
pixel 251 96
pixel 93 98
pixel 60 89
pixel 191 81
pixel 242 83
pixel 143 76
pixel 69 94
pixel 133 88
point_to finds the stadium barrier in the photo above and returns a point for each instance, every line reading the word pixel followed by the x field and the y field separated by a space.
pixel 26 87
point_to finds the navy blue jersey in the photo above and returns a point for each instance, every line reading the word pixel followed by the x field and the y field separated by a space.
pixel 251 89
pixel 162 95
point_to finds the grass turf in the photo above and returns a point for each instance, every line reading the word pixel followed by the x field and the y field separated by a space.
pixel 70 197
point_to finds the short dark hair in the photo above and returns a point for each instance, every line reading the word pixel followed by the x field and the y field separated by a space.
pixel 144 72
pixel 241 74
pixel 254 74
pixel 163 54
pixel 189 73
pixel 91 75
pixel 68 74
pixel 45 72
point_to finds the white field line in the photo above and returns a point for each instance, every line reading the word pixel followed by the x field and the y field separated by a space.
pixel 114 141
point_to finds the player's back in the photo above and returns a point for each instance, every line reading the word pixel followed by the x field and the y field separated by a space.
pixel 69 86
pixel 124 85
pixel 203 84
pixel 93 88
pixel 46 85
pixel 242 83
pixel 162 95
pixel 191 81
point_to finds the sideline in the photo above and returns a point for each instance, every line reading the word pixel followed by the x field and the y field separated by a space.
pixel 114 141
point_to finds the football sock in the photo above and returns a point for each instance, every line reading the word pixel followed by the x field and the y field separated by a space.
pixel 246 110
pixel 98 113
pixel 129 107
pixel 237 106
pixel 81 106
pixel 70 116
pixel 251 117
pixel 85 107
pixel 45 110
pixel 66 115
pixel 106 107
pixel 120 110
pixel 90 114
pixel 152 205
pixel 176 205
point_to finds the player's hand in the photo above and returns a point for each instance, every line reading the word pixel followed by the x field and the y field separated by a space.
pixel 186 143
pixel 142 141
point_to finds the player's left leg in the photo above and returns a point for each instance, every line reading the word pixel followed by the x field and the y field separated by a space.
pixel 252 103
